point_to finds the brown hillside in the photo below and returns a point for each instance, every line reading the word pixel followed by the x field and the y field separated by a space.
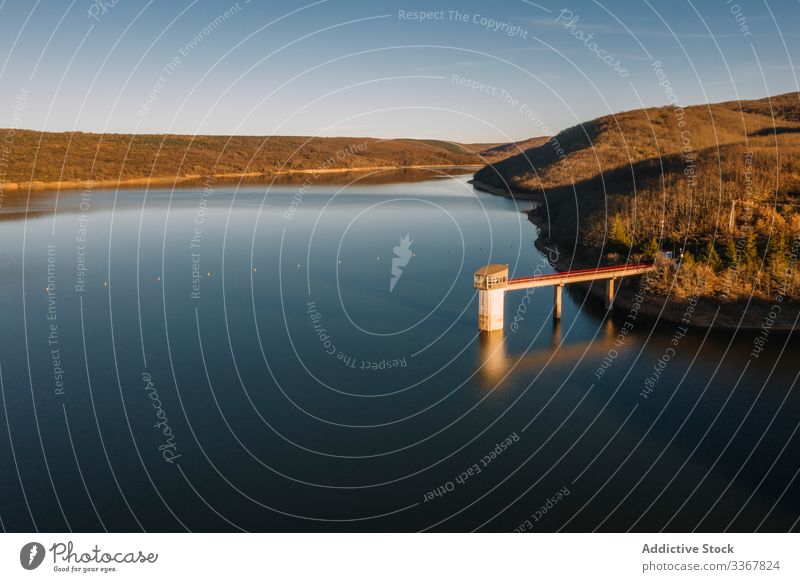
pixel 57 157
pixel 619 141
pixel 625 185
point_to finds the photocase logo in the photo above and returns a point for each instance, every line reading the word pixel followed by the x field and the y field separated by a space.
pixel 402 255
pixel 31 555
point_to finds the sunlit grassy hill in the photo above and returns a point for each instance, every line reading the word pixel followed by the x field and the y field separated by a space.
pixel 57 157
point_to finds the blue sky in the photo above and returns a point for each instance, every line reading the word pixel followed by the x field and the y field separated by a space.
pixel 495 71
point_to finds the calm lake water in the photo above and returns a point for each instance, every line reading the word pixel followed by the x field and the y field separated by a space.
pixel 214 358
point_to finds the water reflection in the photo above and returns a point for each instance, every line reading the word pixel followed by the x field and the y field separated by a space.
pixel 496 363
pixel 493 362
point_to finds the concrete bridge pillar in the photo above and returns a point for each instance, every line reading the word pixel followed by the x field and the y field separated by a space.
pixel 557 301
pixel 491 282
pixel 610 293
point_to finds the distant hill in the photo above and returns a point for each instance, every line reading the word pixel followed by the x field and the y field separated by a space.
pixel 622 185
pixel 51 158
pixel 501 151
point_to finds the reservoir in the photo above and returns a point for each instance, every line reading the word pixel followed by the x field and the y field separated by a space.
pixel 306 357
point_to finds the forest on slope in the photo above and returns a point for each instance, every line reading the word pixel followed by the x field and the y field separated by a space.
pixel 719 183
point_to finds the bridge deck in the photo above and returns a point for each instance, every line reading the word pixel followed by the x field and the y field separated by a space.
pixel 579 276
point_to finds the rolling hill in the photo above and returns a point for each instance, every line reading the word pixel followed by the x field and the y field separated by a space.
pixel 47 159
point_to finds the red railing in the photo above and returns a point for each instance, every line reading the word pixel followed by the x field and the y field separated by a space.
pixel 578 272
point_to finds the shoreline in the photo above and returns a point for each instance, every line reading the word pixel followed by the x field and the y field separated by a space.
pixel 729 318
pixel 146 181
pixel 515 194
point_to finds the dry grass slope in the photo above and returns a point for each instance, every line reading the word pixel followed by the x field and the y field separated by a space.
pixel 58 157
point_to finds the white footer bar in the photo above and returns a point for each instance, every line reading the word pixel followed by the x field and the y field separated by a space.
pixel 400 557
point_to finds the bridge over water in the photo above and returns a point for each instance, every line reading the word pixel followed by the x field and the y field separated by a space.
pixel 492 282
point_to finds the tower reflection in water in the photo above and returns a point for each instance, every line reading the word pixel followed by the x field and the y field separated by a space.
pixel 495 364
